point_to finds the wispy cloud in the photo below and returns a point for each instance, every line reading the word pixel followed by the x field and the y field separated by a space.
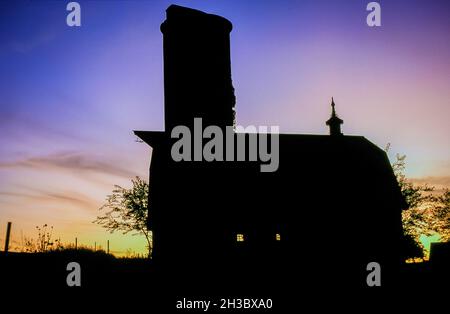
pixel 439 182
pixel 25 46
pixel 18 126
pixel 61 197
pixel 71 161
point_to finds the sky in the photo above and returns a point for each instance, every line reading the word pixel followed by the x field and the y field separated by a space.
pixel 71 96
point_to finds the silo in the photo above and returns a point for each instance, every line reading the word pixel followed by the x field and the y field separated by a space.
pixel 197 69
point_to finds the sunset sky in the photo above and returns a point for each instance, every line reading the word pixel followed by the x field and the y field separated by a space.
pixel 70 97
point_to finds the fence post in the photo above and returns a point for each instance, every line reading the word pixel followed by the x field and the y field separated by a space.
pixel 8 233
pixel 95 246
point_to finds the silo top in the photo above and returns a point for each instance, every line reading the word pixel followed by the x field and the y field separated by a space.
pixel 178 16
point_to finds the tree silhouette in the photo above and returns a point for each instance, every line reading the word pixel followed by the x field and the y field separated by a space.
pixel 428 211
pixel 128 211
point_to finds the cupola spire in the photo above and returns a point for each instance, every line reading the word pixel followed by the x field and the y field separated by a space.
pixel 334 122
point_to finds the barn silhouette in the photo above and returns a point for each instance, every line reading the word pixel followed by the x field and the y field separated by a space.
pixel 333 205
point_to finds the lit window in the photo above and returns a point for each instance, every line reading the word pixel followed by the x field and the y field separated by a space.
pixel 278 237
pixel 240 237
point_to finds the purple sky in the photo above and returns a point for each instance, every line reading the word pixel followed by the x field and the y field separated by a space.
pixel 70 97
